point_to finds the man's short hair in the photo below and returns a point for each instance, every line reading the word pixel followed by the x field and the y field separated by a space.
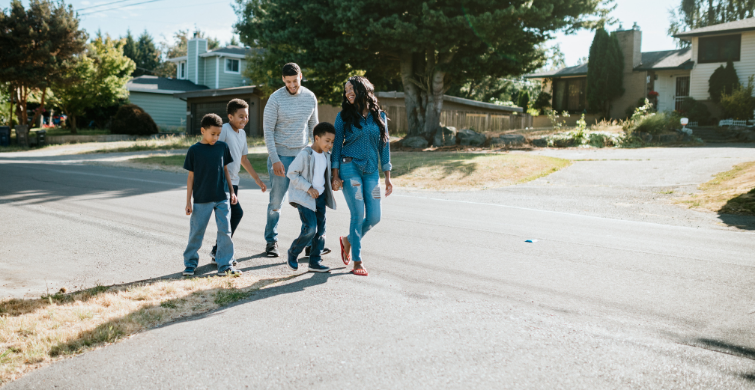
pixel 322 128
pixel 291 69
pixel 210 120
pixel 235 105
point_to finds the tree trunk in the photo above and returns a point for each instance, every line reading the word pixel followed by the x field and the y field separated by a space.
pixel 41 107
pixel 424 87
pixel 71 121
pixel 413 95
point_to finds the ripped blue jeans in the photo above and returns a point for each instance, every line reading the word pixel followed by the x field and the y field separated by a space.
pixel 362 193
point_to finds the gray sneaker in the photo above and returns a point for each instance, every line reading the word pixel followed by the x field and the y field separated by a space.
pixel 272 249
pixel 230 272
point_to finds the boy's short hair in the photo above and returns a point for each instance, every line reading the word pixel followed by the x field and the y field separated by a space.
pixel 235 105
pixel 210 120
pixel 291 69
pixel 322 128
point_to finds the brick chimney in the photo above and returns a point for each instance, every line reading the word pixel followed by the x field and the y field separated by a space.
pixel 630 42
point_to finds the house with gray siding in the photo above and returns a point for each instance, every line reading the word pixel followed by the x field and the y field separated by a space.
pixel 200 69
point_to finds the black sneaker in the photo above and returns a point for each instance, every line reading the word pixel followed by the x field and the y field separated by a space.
pixel 316 267
pixel 188 272
pixel 230 272
pixel 308 250
pixel 272 249
pixel 293 264
pixel 212 254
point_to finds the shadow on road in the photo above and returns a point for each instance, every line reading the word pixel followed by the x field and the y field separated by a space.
pixel 43 183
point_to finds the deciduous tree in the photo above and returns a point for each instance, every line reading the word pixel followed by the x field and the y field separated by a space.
pixel 99 79
pixel 37 46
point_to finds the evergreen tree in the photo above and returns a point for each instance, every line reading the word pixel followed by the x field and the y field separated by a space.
pixel 724 80
pixel 605 72
pixel 524 101
pixel 431 45
pixel 130 49
pixel 147 56
pixel 37 46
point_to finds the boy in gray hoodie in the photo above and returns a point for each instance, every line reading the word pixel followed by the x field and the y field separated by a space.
pixel 310 192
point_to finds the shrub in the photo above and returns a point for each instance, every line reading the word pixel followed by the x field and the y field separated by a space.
pixel 543 101
pixel 533 111
pixel 658 123
pixel 695 111
pixel 524 100
pixel 723 81
pixel 740 103
pixel 131 119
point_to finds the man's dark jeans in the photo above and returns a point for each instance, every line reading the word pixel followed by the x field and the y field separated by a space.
pixel 236 214
pixel 312 232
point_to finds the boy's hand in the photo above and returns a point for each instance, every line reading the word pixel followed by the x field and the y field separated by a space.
pixel 188 209
pixel 261 184
pixel 234 199
pixel 336 184
pixel 313 192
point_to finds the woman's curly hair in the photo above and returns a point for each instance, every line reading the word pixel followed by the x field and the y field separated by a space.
pixel 365 97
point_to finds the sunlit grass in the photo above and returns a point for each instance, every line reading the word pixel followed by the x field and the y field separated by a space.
pixel 38 331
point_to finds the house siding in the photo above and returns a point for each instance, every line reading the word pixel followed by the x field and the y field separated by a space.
pixel 701 72
pixel 164 109
pixel 230 80
pixel 209 71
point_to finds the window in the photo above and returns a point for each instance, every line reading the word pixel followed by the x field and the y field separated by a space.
pixel 719 49
pixel 231 66
pixel 569 94
pixel 182 70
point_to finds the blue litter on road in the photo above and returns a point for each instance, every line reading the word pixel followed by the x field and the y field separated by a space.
pixel 533 240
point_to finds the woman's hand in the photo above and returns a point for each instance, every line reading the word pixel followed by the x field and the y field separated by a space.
pixel 388 186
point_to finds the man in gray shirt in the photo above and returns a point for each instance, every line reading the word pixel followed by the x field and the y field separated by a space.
pixel 290 116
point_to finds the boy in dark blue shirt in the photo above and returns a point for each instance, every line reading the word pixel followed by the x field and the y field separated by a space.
pixel 208 181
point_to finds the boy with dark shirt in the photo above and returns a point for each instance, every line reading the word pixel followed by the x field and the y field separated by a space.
pixel 208 180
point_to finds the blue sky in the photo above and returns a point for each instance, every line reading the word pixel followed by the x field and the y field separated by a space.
pixel 163 17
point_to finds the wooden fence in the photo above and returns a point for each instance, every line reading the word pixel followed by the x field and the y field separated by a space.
pixel 461 120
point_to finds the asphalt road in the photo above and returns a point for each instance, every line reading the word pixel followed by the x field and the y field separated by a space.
pixel 606 298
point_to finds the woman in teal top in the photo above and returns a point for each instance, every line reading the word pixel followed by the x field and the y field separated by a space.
pixel 361 149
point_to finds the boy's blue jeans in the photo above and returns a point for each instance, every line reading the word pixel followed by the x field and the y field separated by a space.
pixel 362 193
pixel 200 216
pixel 278 189
pixel 312 232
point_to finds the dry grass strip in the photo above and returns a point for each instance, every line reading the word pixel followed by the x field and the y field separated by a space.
pixel 469 171
pixel 457 171
pixel 730 192
pixel 37 332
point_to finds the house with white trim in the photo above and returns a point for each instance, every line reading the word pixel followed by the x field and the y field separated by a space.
pixel 199 70
pixel 673 74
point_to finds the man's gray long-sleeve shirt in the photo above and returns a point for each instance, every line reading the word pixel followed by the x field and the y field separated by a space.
pixel 288 122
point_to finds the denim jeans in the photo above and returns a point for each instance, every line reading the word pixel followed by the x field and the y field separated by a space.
pixel 278 189
pixel 362 193
pixel 236 214
pixel 200 216
pixel 312 232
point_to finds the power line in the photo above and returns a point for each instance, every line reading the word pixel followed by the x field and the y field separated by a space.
pixel 102 5
pixel 116 8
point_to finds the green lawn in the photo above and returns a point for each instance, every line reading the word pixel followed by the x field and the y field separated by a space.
pixel 439 170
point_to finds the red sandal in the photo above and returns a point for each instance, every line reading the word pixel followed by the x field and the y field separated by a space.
pixel 345 257
pixel 360 272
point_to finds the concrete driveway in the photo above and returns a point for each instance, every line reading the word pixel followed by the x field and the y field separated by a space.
pixel 641 294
